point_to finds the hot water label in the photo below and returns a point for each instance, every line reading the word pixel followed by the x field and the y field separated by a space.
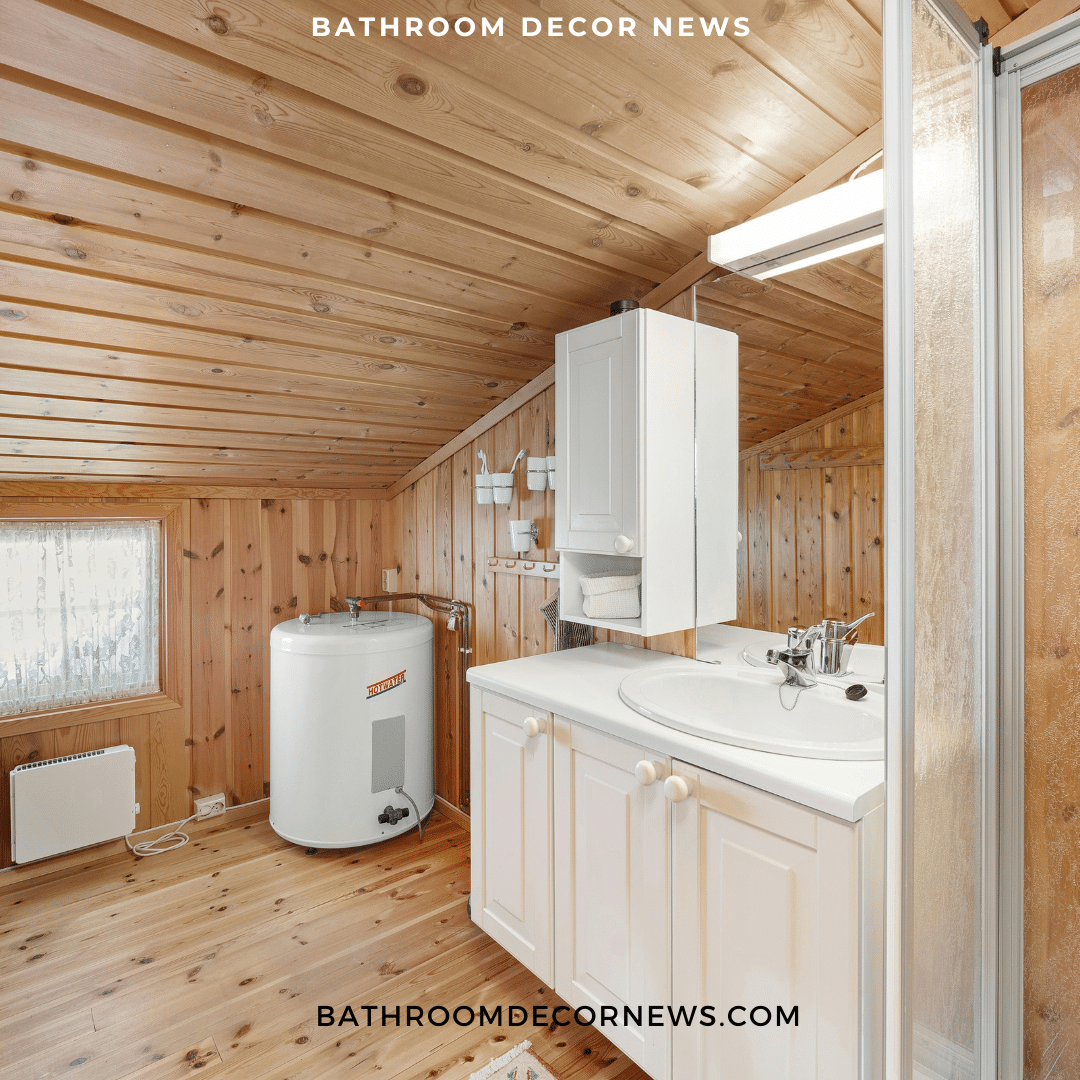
pixel 377 688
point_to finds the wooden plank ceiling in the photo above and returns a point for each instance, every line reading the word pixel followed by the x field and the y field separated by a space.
pixel 232 253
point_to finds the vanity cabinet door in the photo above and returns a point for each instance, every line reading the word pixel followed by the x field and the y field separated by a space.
pixel 511 828
pixel 612 887
pixel 765 905
pixel 596 425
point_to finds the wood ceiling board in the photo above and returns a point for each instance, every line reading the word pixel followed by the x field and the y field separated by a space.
pixel 776 300
pixel 21 427
pixel 81 329
pixel 132 455
pixel 608 93
pixel 334 132
pixel 758 331
pixel 79 490
pixel 192 418
pixel 710 81
pixel 840 283
pixel 26 428
pixel 869 261
pixel 453 111
pixel 46 242
pixel 508 279
pixel 212 317
pixel 827 51
pixel 271 406
pixel 182 472
pixel 32 355
pixel 51 118
pixel 385 279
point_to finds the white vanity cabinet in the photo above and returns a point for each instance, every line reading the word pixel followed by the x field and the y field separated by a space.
pixel 611 885
pixel 638 483
pixel 512 829
pixel 626 878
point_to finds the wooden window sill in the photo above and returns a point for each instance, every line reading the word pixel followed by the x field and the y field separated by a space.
pixel 71 715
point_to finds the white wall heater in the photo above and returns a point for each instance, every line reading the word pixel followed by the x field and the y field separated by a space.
pixel 71 802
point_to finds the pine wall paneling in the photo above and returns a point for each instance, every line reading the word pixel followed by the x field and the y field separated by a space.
pixel 812 535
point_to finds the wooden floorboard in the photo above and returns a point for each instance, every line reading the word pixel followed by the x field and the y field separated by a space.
pixel 214 959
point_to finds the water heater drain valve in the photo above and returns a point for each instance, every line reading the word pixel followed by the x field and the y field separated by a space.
pixel 391 815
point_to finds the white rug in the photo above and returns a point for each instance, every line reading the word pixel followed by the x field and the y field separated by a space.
pixel 518 1063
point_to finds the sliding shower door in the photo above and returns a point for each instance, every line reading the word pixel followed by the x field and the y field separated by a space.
pixel 940 546
pixel 1039 115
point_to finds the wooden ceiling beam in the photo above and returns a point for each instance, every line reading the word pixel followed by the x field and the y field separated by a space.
pixel 1037 17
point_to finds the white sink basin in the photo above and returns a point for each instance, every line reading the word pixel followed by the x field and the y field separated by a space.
pixel 743 708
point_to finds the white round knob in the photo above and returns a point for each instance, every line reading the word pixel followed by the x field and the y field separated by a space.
pixel 645 771
pixel 676 788
pixel 623 544
pixel 532 727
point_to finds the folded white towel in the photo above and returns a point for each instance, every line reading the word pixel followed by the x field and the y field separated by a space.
pixel 608 581
pixel 623 604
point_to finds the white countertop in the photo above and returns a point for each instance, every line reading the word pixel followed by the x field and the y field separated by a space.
pixel 583 685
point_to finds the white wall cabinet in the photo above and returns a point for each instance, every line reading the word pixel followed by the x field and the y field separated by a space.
pixel 512 835
pixel 622 878
pixel 630 469
pixel 611 886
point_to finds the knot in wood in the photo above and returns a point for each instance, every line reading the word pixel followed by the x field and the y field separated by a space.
pixel 412 85
pixel 217 24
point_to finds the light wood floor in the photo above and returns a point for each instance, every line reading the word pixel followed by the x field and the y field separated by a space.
pixel 215 957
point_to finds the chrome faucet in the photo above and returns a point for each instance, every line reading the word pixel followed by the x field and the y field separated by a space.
pixel 797 660
pixel 837 642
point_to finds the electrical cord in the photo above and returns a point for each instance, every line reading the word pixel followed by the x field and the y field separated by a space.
pixel 171 840
pixel 416 810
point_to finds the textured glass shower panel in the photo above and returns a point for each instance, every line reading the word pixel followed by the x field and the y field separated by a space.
pixel 1050 163
pixel 946 740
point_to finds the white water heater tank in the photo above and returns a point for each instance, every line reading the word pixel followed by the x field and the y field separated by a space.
pixel 351 720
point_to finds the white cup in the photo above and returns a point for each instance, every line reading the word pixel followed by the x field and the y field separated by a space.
pixel 502 486
pixel 521 535
pixel 483 488
pixel 536 473
pixel 551 471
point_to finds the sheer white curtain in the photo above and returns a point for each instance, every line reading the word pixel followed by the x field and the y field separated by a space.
pixel 79 612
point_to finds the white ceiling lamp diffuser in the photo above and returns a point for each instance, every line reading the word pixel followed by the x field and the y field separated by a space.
pixel 843 219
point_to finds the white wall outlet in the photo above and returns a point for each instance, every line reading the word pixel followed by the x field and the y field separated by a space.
pixel 210 806
pixel 389 580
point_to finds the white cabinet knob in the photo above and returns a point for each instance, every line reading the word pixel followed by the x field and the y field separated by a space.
pixel 645 771
pixel 532 727
pixel 623 544
pixel 676 788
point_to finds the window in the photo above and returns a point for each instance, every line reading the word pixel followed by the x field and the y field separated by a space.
pixel 80 612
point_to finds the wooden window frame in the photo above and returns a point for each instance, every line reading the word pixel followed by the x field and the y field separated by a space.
pixel 171 613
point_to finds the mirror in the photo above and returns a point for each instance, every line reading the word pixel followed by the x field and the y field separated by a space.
pixel 811 435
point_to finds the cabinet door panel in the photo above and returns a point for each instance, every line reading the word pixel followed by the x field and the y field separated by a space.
pixel 763 916
pixel 611 888
pixel 511 813
pixel 597 433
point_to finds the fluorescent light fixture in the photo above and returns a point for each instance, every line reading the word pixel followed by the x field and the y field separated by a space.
pixel 845 218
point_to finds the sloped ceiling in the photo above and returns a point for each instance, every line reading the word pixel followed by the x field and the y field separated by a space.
pixel 232 252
